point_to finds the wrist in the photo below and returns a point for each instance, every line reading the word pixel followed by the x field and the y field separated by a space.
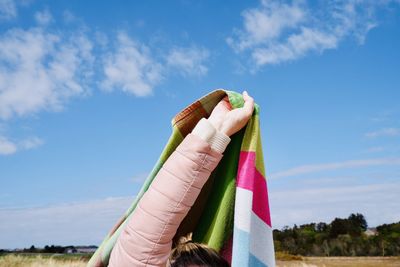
pixel 224 130
pixel 206 130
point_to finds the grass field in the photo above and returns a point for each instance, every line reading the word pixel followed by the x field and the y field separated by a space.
pixel 342 261
pixel 80 261
pixel 43 260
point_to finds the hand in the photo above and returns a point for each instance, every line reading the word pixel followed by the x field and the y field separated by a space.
pixel 229 121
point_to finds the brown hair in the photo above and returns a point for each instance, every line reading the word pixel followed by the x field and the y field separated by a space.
pixel 188 253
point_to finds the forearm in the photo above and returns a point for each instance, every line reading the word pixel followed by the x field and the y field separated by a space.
pixel 147 238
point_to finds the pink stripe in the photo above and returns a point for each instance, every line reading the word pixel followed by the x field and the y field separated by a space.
pixel 250 178
pixel 261 203
pixel 246 169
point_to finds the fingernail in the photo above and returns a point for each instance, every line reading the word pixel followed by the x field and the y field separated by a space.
pixel 245 92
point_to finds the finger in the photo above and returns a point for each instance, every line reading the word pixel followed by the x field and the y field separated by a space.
pixel 248 106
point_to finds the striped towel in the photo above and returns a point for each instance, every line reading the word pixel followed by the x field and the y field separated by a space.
pixel 231 213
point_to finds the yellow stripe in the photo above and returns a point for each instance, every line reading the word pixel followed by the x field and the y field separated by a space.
pixel 252 142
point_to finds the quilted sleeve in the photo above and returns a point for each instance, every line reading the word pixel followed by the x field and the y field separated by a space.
pixel 146 239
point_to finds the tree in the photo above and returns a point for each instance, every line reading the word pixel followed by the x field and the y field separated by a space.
pixel 342 237
pixel 357 224
pixel 322 227
pixel 338 227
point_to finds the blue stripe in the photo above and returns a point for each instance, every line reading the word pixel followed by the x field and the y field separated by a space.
pixel 254 262
pixel 241 256
pixel 240 248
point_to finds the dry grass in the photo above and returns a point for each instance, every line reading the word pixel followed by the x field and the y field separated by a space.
pixel 39 261
pixel 342 262
pixel 64 261
pixel 284 256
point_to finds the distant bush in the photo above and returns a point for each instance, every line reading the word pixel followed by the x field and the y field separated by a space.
pixel 341 237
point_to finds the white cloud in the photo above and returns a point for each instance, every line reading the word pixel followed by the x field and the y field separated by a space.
pixel 188 61
pixel 43 17
pixel 378 202
pixel 8 147
pixel 8 9
pixel 277 32
pixel 312 168
pixel 83 223
pixel 88 222
pixel 384 132
pixel 31 143
pixel 296 46
pixel 41 70
pixel 131 68
pixel 267 23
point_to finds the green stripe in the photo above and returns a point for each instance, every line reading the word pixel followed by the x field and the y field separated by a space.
pixel 216 222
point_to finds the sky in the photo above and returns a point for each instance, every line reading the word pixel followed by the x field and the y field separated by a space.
pixel 88 90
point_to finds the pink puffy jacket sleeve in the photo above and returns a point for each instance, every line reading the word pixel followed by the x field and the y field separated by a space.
pixel 146 239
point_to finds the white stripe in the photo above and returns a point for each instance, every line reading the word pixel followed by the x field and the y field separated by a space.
pixel 261 241
pixel 243 206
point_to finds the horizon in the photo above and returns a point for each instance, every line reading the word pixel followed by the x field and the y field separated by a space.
pixel 93 245
pixel 87 94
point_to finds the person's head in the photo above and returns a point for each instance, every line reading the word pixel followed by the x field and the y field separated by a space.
pixel 188 253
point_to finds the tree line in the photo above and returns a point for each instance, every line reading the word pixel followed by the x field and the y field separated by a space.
pixel 341 237
pixel 52 249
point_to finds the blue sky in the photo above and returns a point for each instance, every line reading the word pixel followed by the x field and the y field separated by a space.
pixel 88 90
